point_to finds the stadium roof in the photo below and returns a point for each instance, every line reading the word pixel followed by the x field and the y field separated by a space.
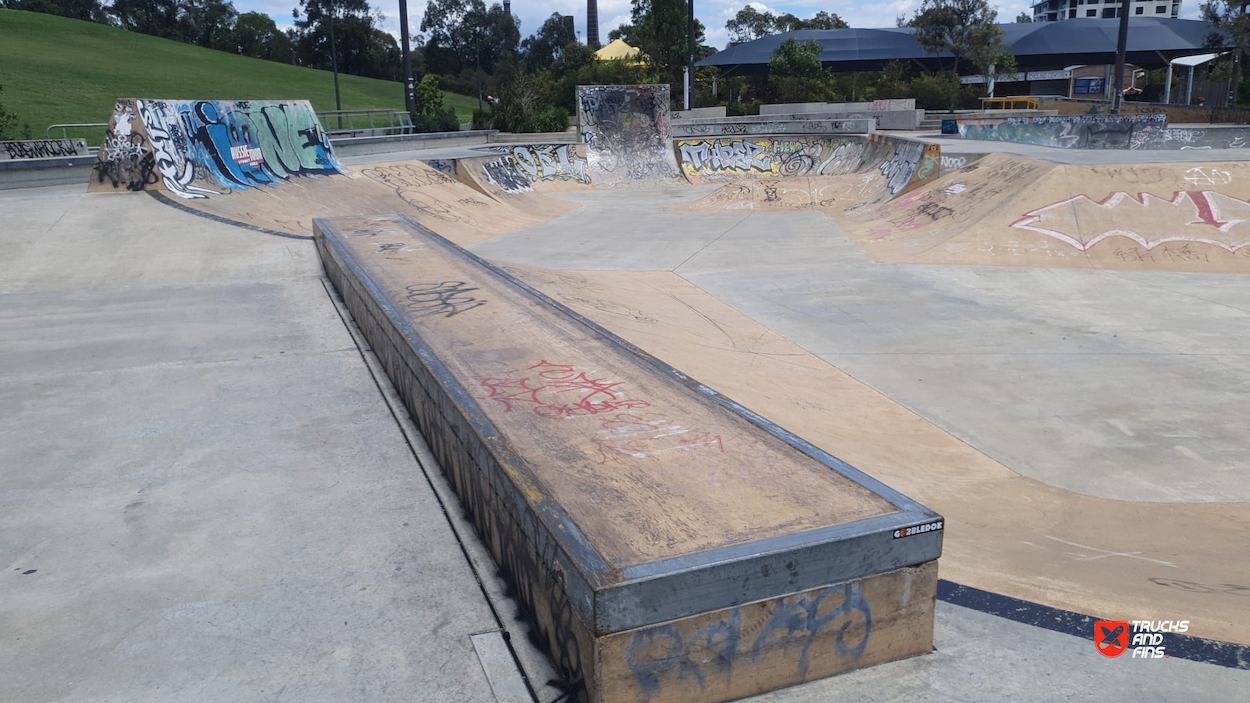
pixel 1152 43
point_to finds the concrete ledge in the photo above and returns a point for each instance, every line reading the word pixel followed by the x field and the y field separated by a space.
pixel 726 128
pixel 893 119
pixel 569 136
pixel 32 173
pixel 667 543
pixel 363 146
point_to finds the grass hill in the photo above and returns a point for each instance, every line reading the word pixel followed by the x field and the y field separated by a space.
pixel 58 70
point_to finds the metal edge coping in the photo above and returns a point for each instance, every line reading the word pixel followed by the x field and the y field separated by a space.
pixel 578 550
pixel 788 565
pixel 781 544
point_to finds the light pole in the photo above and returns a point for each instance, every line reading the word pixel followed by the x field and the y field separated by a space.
pixel 1121 47
pixel 334 63
pixel 410 98
pixel 690 58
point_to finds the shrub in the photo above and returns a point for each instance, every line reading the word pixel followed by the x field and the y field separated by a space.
pixel 444 120
pixel 553 119
pixel 483 119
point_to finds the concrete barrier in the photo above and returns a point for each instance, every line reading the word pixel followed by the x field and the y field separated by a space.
pixel 886 105
pixel 698 113
pixel 35 173
pixel 1138 132
pixel 363 146
pixel 719 128
pixel 667 544
pixel 42 149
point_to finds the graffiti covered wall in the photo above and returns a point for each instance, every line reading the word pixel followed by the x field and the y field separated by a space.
pixel 628 134
pixel 42 149
pixel 523 165
pixel 1137 131
pixel 1091 132
pixel 765 157
pixel 900 162
pixel 197 148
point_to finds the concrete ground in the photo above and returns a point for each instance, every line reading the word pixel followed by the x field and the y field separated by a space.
pixel 209 492
pixel 1122 385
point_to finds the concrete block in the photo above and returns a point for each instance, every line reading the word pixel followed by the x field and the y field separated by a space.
pixel 666 542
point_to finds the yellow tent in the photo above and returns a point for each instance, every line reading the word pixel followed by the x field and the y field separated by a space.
pixel 618 49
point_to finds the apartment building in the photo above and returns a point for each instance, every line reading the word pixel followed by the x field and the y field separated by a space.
pixel 1055 10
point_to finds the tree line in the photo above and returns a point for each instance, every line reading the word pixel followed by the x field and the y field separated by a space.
pixel 363 48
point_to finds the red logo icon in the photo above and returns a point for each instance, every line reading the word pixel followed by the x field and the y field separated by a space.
pixel 1111 637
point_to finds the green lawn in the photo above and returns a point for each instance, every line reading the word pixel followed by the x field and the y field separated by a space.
pixel 56 70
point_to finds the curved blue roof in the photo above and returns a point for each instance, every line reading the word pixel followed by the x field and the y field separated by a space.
pixel 1036 45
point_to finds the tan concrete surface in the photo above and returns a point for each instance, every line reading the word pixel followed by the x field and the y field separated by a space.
pixel 1006 533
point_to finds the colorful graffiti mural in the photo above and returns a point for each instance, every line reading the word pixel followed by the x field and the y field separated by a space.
pixel 733 158
pixel 199 147
pixel 525 164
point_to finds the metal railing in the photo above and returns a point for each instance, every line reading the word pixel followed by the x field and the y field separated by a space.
pixel 365 123
pixel 65 129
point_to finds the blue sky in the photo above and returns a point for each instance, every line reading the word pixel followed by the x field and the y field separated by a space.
pixel 713 13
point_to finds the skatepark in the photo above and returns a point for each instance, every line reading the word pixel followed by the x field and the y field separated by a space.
pixel 634 418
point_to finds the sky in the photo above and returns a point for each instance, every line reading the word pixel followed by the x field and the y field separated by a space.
pixel 612 13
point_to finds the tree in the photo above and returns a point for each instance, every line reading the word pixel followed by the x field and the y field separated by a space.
pixel 543 47
pixel 750 24
pixel 156 17
pixel 90 10
pixel 967 29
pixel 463 34
pixel 207 23
pixel 573 57
pixel 1024 18
pixel 1231 18
pixel 821 20
pixel 256 34
pixel 795 71
pixel 659 29
pixel 363 49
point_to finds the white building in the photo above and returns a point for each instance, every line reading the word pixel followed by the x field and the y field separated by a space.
pixel 1055 10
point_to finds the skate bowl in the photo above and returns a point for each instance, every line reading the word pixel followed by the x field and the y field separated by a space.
pixel 548 497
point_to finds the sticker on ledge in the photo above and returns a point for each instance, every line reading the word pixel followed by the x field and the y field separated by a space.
pixel 918 529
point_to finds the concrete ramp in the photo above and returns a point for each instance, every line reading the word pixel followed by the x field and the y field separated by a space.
pixel 1012 211
pixel 805 173
pixel 668 544
pixel 192 149
pixel 268 166
pixel 522 174
pixel 628 135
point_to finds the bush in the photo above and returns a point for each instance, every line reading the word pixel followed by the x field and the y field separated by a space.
pixel 8 125
pixel 483 119
pixel 444 120
pixel 553 119
pixel 740 109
